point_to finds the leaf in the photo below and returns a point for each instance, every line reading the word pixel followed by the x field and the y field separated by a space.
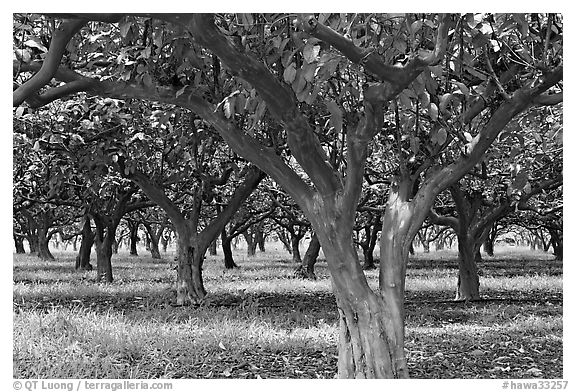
pixel 33 43
pixel 437 70
pixel 308 72
pixel 147 79
pixel 405 100
pixel 221 345
pixel 181 91
pixel 124 28
pixel 227 372
pixel 415 144
pixel 290 73
pixel 229 107
pixel 520 180
pixel 445 100
pixel 463 89
pixel 310 53
pixel 441 136
pixel 433 111
pixel 335 115
pixel 36 146
pixel 424 98
pixel 416 26
pixel 468 137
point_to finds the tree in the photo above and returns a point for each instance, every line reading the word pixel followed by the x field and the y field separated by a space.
pixel 287 72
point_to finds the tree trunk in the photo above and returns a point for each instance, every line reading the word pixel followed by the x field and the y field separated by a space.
pixel 189 284
pixel 213 248
pixel 227 251
pixel 43 244
pixel 369 245
pixel 367 343
pixel 33 242
pixel 153 238
pixel 285 241
pixel 115 246
pixel 557 243
pixel 306 269
pixel 368 258
pixel 468 288
pixel 104 256
pixel 261 240
pixel 19 244
pixel 395 245
pixel 489 246
pixel 295 245
pixel 133 238
pixel 370 344
pixel 154 251
pixel 250 243
pixel 426 245
pixel 83 258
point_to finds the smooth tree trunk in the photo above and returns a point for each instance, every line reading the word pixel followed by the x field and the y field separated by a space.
pixel 19 244
pixel 189 282
pixel 83 257
pixel 468 287
pixel 227 251
pixel 103 242
pixel 557 242
pixel 306 269
pixel 259 236
pixel 295 245
pixel 489 246
pixel 43 244
pixel 366 346
pixel 164 241
pixel 250 243
pixel 261 240
pixel 213 249
pixel 284 240
pixel 425 245
pixel 368 245
pixel 153 240
pixel 193 244
pixel 371 331
pixel 133 238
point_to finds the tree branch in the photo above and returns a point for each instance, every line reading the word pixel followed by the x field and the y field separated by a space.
pixel 58 44
pixel 279 99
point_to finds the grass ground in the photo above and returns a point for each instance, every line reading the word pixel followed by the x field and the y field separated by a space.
pixel 260 321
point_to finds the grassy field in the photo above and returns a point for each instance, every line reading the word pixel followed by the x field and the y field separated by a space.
pixel 261 322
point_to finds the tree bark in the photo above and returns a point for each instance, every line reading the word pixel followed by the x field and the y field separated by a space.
pixel 189 283
pixel 104 239
pixel 295 245
pixel 43 244
pixel 250 243
pixel 133 238
pixel 368 344
pixel 468 287
pixel 213 248
pixel 227 251
pixel 83 257
pixel 19 244
pixel 33 242
pixel 489 246
pixel 306 269
pixel 557 243
pixel 154 238
pixel 284 240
